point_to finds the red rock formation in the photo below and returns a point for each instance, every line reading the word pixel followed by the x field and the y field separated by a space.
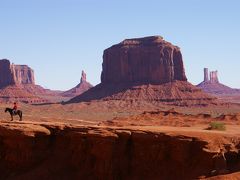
pixel 82 87
pixel 206 79
pixel 17 83
pixel 11 74
pixel 6 73
pixel 213 86
pixel 214 77
pixel 56 151
pixel 143 60
pixel 145 69
pixel 23 74
pixel 13 93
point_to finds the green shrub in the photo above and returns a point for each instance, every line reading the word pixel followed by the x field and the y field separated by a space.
pixel 220 126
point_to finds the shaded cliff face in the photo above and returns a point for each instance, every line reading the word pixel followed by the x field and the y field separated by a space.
pixel 143 60
pixel 57 151
pixel 6 73
pixel 11 74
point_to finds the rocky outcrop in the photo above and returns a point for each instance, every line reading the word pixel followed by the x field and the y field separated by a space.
pixel 214 77
pixel 145 69
pixel 17 83
pixel 143 60
pixel 214 87
pixel 82 87
pixel 6 73
pixel 11 74
pixel 23 74
pixel 59 151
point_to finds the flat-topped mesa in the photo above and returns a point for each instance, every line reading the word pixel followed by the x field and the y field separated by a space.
pixel 149 60
pixel 147 69
pixel 11 74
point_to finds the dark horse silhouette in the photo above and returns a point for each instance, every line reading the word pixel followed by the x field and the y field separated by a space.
pixel 11 112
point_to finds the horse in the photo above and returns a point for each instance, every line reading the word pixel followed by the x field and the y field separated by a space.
pixel 12 113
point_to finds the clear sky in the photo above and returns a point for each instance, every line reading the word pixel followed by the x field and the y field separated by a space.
pixel 59 38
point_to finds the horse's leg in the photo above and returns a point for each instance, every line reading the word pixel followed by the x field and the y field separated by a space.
pixel 11 117
pixel 20 115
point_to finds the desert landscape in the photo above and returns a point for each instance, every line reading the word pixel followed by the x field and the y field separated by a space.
pixel 119 90
pixel 144 120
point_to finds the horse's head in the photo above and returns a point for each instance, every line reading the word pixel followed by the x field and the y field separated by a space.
pixel 7 109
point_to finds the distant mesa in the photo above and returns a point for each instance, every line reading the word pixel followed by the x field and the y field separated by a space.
pixel 11 74
pixel 17 83
pixel 13 79
pixel 82 87
pixel 213 86
pixel 143 60
pixel 146 69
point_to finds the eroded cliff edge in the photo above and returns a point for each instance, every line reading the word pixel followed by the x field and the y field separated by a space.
pixel 59 151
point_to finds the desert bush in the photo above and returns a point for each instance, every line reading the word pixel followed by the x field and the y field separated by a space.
pixel 217 126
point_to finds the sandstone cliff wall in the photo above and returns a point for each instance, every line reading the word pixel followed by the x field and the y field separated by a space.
pixel 51 151
pixel 143 60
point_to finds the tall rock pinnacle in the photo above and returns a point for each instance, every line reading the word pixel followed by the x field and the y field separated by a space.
pixel 206 77
pixel 83 77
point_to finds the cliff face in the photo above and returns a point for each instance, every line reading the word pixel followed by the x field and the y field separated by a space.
pixel 143 60
pixel 57 151
pixel 23 74
pixel 6 73
pixel 145 69
pixel 11 74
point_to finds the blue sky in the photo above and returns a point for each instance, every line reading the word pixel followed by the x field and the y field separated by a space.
pixel 59 38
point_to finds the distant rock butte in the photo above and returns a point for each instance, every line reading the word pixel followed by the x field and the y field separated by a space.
pixel 213 86
pixel 11 74
pixel 82 87
pixel 17 83
pixel 145 69
pixel 143 60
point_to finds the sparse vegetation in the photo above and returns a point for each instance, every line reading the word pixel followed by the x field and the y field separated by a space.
pixel 220 126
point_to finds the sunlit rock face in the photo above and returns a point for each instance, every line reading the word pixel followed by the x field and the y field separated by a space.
pixel 143 60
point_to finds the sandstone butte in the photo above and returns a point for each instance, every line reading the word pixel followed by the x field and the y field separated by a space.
pixel 17 83
pixel 145 69
pixel 59 151
pixel 213 86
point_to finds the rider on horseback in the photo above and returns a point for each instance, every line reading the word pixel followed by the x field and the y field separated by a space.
pixel 14 107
